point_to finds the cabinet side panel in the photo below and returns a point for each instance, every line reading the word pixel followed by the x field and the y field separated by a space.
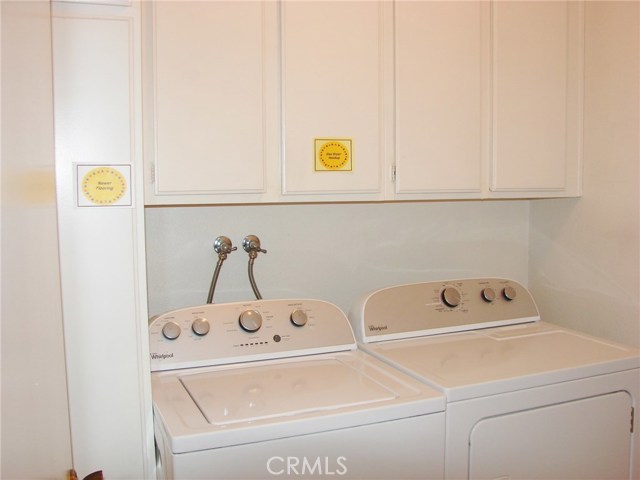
pixel 209 98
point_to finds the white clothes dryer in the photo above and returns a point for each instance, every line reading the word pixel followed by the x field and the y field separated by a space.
pixel 278 389
pixel 525 399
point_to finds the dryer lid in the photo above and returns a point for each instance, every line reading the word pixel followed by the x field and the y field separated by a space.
pixel 504 359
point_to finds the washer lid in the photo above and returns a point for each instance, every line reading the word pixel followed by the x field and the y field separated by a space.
pixel 211 407
pixel 504 359
pixel 281 390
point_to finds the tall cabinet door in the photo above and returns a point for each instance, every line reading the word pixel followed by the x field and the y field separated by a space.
pixel 206 66
pixel 441 53
pixel 332 97
pixel 537 97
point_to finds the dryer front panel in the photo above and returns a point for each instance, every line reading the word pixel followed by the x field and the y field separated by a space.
pixel 583 439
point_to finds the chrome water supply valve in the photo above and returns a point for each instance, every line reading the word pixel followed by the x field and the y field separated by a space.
pixel 223 247
pixel 251 245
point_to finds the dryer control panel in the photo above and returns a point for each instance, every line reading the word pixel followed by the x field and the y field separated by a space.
pixel 430 308
pixel 217 334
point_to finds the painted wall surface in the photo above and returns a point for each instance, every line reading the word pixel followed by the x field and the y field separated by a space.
pixel 333 252
pixel 585 253
pixel 36 441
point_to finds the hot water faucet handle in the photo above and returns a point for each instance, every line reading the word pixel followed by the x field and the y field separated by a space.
pixel 222 245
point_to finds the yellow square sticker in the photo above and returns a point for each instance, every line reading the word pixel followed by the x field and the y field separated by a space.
pixel 333 154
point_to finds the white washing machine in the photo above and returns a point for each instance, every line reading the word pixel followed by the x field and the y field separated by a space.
pixel 525 399
pixel 278 389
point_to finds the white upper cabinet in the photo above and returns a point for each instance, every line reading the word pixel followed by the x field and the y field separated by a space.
pixel 206 67
pixel 441 54
pixel 332 97
pixel 296 101
pixel 537 85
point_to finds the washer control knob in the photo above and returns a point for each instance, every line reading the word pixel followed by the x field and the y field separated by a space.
pixel 171 330
pixel 509 293
pixel 200 326
pixel 298 318
pixel 488 294
pixel 451 297
pixel 250 320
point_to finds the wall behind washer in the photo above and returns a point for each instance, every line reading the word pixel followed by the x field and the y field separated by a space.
pixel 585 253
pixel 333 252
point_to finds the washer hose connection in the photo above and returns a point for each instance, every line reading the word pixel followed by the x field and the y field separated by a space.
pixel 251 245
pixel 223 247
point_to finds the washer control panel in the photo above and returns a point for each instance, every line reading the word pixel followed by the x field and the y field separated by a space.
pixel 431 308
pixel 216 334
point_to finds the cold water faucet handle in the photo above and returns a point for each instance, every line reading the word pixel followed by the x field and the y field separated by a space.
pixel 251 245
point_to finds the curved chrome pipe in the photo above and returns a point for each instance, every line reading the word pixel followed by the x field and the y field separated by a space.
pixel 251 245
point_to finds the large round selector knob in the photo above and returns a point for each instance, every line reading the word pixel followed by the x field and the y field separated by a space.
pixel 171 330
pixel 200 326
pixel 488 294
pixel 451 297
pixel 250 320
pixel 298 318
pixel 509 293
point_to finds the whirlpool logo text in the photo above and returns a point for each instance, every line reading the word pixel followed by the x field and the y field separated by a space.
pixel 161 356
pixel 295 466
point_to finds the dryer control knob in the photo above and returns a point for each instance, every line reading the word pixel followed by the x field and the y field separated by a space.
pixel 171 330
pixel 451 297
pixel 509 293
pixel 488 294
pixel 200 326
pixel 250 320
pixel 298 318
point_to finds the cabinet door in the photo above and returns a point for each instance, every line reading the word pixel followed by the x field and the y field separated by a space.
pixel 208 96
pixel 441 121
pixel 332 94
pixel 537 97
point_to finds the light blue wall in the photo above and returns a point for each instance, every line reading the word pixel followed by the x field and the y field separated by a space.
pixel 585 253
pixel 333 252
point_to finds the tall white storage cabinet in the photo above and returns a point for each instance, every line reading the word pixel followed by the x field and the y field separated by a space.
pixel 98 131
